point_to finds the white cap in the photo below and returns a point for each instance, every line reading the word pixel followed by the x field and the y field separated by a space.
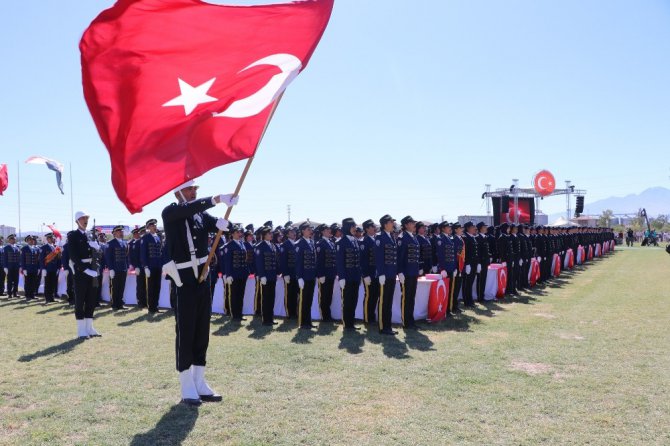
pixel 79 214
pixel 189 183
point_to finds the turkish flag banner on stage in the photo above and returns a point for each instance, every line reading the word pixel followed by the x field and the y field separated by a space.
pixel 438 298
pixel 178 87
pixel 533 272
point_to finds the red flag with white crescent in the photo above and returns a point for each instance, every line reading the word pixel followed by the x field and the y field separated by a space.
pixel 502 282
pixel 178 87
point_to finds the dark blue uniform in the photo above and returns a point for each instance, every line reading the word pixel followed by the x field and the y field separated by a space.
pixel 369 266
pixel 425 254
pixel 305 269
pixel 287 268
pixel 50 270
pixel 446 261
pixel 265 256
pixel 235 261
pixel 30 264
pixel 471 261
pixel 386 258
pixel 134 261
pixel 458 278
pixel 326 271
pixel 349 269
pixel 151 257
pixel 11 256
pixel 409 258
pixel 83 255
pixel 116 259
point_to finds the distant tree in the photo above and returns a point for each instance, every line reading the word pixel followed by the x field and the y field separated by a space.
pixel 606 218
pixel 659 222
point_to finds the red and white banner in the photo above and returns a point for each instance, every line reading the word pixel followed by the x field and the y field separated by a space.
pixel 533 272
pixel 438 299
pixel 590 257
pixel 580 255
pixel 178 87
pixel 599 250
pixel 500 273
pixel 569 261
pixel 556 265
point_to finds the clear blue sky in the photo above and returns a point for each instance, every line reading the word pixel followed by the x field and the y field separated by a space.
pixel 405 108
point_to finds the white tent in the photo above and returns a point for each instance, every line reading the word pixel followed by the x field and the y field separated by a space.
pixel 561 223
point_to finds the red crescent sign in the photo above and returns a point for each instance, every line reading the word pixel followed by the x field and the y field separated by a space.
pixel 544 183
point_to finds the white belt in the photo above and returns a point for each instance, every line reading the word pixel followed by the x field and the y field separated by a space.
pixel 189 264
pixel 86 260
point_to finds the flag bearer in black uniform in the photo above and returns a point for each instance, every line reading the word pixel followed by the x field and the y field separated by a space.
pixel 305 271
pixel 472 263
pixel 84 258
pixel 409 261
pixel 484 259
pixel 186 226
pixel 265 256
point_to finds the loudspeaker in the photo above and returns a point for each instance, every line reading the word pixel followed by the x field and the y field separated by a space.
pixel 504 204
pixel 580 204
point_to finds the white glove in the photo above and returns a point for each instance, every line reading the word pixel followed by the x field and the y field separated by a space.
pixel 468 269
pixel 455 272
pixel 434 270
pixel 322 280
pixel 287 279
pixel 22 272
pixel 228 199
pixel 136 272
pixel 490 260
pixel 520 262
pixel 95 245
pixel 6 270
pixel 479 268
pixel 147 272
pixel 66 272
pixel 228 280
pixel 90 272
pixel 111 274
pixel 221 224
pixel 131 267
pixel 44 273
pixel 443 273
pixel 401 276
pixel 367 280
pixel 342 283
pixel 264 280
pixel 382 280
pixel 505 264
pixel 301 283
pixel 421 272
pixel 539 259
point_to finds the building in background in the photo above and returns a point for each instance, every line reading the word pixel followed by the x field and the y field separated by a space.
pixel 6 230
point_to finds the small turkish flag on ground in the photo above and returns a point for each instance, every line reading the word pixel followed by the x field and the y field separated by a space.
pixel 178 87
pixel 4 180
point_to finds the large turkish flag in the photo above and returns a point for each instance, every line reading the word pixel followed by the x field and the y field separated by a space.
pixel 178 87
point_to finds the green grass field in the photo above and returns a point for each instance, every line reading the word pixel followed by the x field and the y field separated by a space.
pixel 585 360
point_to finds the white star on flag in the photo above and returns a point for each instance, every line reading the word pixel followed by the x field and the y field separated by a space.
pixel 191 97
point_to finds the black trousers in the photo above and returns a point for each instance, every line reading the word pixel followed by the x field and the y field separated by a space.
pixel 385 307
pixel 371 300
pixel 512 276
pixel 50 285
pixel 469 281
pixel 193 308
pixel 212 279
pixel 2 280
pixel 154 288
pixel 291 298
pixel 305 298
pixel 236 297
pixel 257 297
pixel 408 298
pixel 13 281
pixel 141 288
pixel 31 283
pixel 481 282
pixel 267 300
pixel 545 268
pixel 85 295
pixel 350 301
pixel 99 290
pixel 118 287
pixel 326 298
pixel 456 281
pixel 525 270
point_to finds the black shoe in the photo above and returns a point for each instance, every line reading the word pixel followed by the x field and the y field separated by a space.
pixel 351 328
pixel 215 398
pixel 471 305
pixel 242 319
pixel 389 332
pixel 327 319
pixel 156 311
pixel 270 324
pixel 191 402
pixel 307 327
pixel 457 311
pixel 412 327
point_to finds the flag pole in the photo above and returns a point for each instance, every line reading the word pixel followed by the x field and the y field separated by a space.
pixel 18 188
pixel 71 201
pixel 212 250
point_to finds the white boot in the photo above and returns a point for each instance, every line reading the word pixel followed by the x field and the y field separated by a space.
pixel 81 329
pixel 204 391
pixel 189 393
pixel 90 330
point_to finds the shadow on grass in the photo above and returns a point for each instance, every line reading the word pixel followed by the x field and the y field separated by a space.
pixel 27 304
pixel 352 342
pixel 147 317
pixel 392 347
pixel 303 336
pixel 171 429
pixel 287 325
pixel 418 341
pixel 54 350
pixel 258 330
pixel 326 328
pixel 53 307
pixel 226 329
